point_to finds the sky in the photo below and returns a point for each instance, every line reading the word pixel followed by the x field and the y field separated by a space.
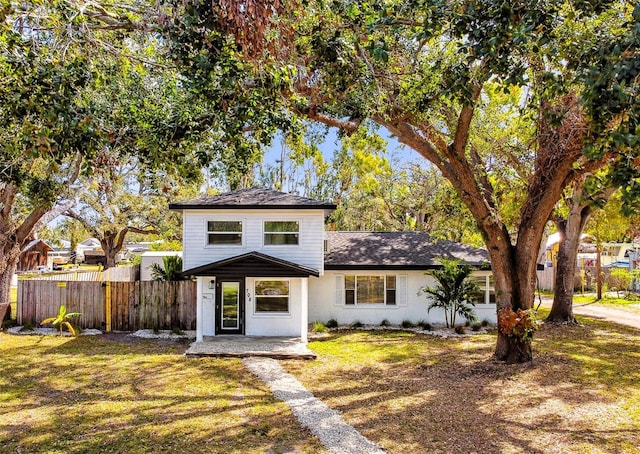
pixel 403 153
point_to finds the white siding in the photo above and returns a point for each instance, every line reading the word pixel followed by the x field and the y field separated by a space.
pixel 294 323
pixel 278 324
pixel 324 305
pixel 308 252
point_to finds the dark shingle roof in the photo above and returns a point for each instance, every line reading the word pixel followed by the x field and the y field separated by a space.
pixel 408 250
pixel 252 198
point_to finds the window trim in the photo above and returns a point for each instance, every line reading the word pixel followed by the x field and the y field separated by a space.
pixel 385 291
pixel 212 232
pixel 256 296
pixel 265 233
pixel 486 287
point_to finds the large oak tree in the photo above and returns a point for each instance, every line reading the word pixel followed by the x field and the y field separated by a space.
pixel 420 70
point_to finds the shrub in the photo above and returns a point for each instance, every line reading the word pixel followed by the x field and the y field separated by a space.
pixel 619 280
pixel 177 331
pixel 319 327
pixel 459 329
pixel 407 324
pixel 27 327
pixel 485 322
pixel 476 327
pixel 467 323
pixel 357 324
pixel 425 325
pixel 385 322
pixel 331 323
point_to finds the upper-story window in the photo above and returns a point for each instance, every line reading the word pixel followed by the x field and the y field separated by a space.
pixel 224 232
pixel 281 232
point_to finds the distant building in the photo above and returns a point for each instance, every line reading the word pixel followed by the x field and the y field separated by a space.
pixel 34 255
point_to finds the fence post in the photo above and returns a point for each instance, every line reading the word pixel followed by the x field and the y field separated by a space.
pixel 107 303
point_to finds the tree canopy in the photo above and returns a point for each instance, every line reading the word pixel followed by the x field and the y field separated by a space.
pixel 426 71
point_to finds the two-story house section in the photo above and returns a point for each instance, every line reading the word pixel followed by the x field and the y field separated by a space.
pixel 266 267
pixel 252 252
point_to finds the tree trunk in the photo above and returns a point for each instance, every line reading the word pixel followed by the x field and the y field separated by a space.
pixel 599 271
pixel 515 277
pixel 562 308
pixel 5 289
pixel 570 231
pixel 109 246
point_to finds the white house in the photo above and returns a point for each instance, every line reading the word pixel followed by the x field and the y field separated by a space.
pixel 266 267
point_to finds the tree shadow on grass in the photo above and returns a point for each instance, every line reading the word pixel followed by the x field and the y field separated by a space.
pixel 87 396
pixel 450 396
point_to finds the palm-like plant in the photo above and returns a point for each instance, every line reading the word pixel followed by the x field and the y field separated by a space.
pixel 62 320
pixel 454 293
pixel 171 271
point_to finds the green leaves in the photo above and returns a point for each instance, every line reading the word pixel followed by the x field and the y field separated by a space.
pixel 62 320
pixel 454 293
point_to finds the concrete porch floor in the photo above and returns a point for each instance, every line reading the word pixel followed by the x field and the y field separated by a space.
pixel 246 346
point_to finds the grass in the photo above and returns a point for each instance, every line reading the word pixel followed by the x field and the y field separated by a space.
pixel 627 304
pixel 415 393
pixel 116 394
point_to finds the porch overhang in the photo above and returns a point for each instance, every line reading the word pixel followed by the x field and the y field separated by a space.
pixel 252 264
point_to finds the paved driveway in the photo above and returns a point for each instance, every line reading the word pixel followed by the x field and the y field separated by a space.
pixel 607 313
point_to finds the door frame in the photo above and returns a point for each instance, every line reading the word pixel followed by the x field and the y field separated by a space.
pixel 241 307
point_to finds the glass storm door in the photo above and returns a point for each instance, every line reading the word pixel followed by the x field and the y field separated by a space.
pixel 229 309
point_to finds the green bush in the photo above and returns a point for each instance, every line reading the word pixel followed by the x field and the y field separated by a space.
pixel 476 327
pixel 331 323
pixel 426 326
pixel 319 327
pixel 459 329
pixel 27 327
pixel 619 280
pixel 357 324
pixel 407 324
pixel 385 322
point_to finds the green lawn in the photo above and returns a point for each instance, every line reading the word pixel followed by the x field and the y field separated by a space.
pixel 414 393
pixel 102 394
pixel 630 304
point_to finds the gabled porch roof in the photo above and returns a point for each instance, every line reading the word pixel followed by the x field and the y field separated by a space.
pixel 252 264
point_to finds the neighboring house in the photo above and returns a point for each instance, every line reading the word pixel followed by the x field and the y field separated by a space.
pixel 90 244
pixel 266 267
pixel 153 257
pixel 34 255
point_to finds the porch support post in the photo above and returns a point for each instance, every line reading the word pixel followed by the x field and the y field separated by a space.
pixel 199 320
pixel 304 308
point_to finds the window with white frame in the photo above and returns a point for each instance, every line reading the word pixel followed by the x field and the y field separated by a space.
pixel 365 290
pixel 272 296
pixel 486 289
pixel 224 232
pixel 281 232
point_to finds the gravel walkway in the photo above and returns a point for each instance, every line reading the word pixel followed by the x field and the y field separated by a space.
pixel 327 424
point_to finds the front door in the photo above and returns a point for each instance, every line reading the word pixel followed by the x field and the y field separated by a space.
pixel 230 306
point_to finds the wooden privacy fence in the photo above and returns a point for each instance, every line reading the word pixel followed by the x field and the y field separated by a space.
pixel 120 273
pixel 133 305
